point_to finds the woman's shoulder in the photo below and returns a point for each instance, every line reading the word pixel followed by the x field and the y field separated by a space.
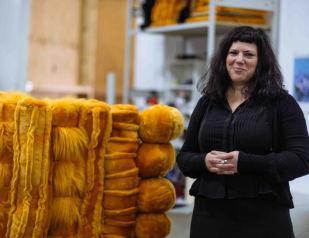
pixel 286 103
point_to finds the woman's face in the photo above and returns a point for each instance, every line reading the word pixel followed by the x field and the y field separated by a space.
pixel 241 62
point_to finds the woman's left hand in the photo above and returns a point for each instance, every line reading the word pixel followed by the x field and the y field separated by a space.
pixel 217 163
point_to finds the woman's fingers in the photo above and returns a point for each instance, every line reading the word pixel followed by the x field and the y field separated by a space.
pixel 215 152
pixel 226 167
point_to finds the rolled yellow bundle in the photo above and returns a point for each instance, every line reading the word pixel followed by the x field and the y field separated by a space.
pixel 8 102
pixel 69 150
pixel 122 180
pixel 121 173
pixel 155 195
pixel 128 214
pixel 122 145
pixel 115 163
pixel 119 199
pixel 96 119
pixel 152 225
pixel 160 124
pixel 155 159
pixel 31 191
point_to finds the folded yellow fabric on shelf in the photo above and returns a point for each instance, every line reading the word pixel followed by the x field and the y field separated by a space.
pixel 225 18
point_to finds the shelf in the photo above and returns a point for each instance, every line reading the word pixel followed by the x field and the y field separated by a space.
pixel 181 87
pixel 196 28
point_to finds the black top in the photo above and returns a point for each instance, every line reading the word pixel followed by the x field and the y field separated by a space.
pixel 272 139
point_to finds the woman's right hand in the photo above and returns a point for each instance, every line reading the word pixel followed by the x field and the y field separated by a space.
pixel 214 163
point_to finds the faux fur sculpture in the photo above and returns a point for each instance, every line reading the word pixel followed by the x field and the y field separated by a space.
pixel 160 159
pixel 76 168
pixel 159 125
pixel 31 187
pixel 96 118
pixel 121 173
pixel 152 225
pixel 8 102
pixel 80 133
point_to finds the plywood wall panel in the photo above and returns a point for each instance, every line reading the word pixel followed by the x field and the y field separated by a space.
pixel 54 43
pixel 112 16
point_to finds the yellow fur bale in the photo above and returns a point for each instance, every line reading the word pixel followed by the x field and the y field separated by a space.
pixel 119 231
pixel 122 145
pixel 69 151
pixel 31 187
pixel 155 159
pixel 122 180
pixel 119 199
pixel 96 118
pixel 160 124
pixel 155 195
pixel 152 225
pixel 115 163
pixel 125 114
pixel 128 214
pixel 8 102
pixel 125 121
pixel 113 236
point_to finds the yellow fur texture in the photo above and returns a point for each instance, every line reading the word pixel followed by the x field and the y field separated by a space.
pixel 6 136
pixel 160 124
pixel 69 150
pixel 65 212
pixel 152 225
pixel 121 174
pixel 69 143
pixel 30 188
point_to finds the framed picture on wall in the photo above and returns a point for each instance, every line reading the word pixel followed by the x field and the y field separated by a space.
pixel 301 79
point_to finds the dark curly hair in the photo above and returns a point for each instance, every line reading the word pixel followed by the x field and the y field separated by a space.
pixel 267 81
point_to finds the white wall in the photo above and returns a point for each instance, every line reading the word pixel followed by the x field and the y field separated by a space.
pixel 14 31
pixel 293 39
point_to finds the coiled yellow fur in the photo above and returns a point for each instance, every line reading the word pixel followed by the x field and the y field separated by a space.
pixel 69 143
pixel 6 136
pixel 65 212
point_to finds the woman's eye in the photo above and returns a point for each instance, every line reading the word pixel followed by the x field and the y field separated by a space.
pixel 249 55
pixel 233 53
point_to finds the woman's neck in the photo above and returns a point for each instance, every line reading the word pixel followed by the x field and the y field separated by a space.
pixel 235 93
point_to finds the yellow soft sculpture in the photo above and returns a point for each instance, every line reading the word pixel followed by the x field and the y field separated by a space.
pixel 155 159
pixel 160 124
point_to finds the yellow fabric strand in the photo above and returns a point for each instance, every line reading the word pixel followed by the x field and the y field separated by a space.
pixel 16 168
pixel 29 161
pixel 45 173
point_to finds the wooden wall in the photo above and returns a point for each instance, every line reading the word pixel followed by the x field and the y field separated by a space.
pixel 111 46
pixel 57 46
pixel 54 42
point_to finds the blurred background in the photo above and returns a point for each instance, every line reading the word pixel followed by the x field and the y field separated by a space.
pixel 144 52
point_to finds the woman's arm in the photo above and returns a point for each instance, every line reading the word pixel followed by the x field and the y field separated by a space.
pixel 190 161
pixel 293 160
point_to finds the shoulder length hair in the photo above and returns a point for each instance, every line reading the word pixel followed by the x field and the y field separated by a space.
pixel 267 81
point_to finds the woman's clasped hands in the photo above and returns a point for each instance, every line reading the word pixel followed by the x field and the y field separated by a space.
pixel 222 163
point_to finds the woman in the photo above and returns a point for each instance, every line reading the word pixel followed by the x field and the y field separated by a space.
pixel 246 139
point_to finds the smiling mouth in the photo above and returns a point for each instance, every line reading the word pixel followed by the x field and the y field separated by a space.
pixel 238 69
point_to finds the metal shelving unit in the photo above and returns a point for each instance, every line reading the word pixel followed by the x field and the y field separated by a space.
pixel 209 28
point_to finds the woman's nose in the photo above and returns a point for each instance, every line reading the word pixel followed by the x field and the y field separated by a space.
pixel 240 59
